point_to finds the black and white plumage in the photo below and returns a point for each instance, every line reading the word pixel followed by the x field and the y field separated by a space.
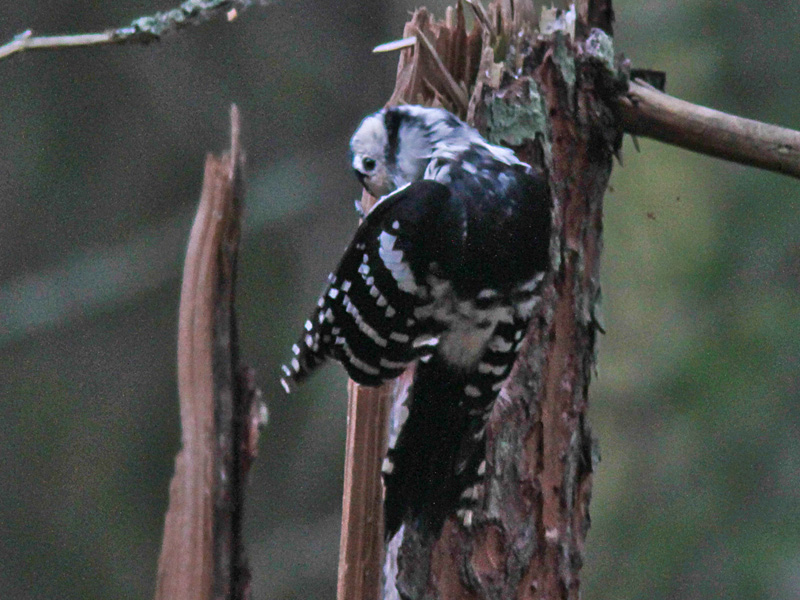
pixel 443 270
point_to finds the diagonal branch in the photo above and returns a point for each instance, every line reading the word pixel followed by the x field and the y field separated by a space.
pixel 26 41
pixel 142 30
pixel 647 112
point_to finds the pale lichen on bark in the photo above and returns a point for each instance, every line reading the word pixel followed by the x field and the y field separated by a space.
pixel 512 124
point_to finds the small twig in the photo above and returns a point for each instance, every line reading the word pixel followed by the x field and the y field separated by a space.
pixel 395 45
pixel 26 41
pixel 142 30
pixel 647 112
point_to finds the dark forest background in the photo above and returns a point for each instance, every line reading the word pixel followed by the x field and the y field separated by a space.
pixel 101 154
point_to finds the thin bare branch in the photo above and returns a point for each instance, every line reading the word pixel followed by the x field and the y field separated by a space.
pixel 595 13
pixel 649 113
pixel 142 30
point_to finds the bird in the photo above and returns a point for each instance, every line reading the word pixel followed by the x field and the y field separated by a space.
pixel 444 273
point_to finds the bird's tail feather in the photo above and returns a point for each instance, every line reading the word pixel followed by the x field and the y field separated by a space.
pixel 436 466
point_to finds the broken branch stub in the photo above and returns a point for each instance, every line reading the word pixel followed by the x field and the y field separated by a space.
pixel 202 554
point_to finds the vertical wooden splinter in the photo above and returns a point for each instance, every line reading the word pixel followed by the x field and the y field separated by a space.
pixel 202 553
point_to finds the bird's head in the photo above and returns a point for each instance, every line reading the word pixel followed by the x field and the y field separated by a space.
pixel 369 147
pixel 392 147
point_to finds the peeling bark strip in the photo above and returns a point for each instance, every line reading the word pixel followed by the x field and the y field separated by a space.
pixel 548 96
pixel 202 553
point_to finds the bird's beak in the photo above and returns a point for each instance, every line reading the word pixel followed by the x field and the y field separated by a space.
pixel 361 176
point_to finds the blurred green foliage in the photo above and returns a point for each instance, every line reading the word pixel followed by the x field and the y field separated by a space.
pixel 695 405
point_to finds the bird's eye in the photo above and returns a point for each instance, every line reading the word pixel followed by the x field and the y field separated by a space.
pixel 368 164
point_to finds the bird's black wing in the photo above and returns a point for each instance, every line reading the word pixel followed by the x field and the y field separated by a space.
pixel 366 316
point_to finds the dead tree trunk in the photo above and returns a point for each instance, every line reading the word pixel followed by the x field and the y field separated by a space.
pixel 549 95
pixel 546 95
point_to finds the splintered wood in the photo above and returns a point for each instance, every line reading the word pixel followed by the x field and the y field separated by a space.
pixel 202 553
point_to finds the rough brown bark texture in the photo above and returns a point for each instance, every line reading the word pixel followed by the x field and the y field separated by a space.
pixel 202 554
pixel 548 96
